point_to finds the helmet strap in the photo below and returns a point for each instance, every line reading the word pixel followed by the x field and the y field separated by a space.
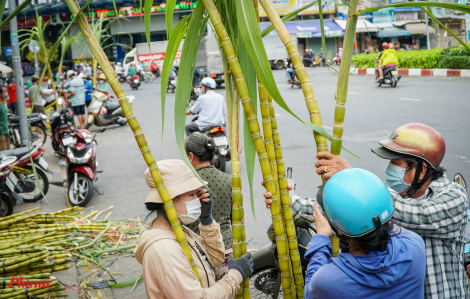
pixel 377 222
pixel 416 185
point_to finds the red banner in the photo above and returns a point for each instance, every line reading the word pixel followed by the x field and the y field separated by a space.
pixel 155 56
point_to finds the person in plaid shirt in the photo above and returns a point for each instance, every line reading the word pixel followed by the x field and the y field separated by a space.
pixel 425 202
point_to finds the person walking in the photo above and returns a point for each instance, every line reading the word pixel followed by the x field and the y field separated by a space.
pixel 39 103
pixel 200 150
pixel 12 104
pixel 88 90
pixel 4 132
pixel 76 96
pixel 167 271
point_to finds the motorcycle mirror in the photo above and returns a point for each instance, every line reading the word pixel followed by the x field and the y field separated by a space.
pixel 458 178
pixel 102 130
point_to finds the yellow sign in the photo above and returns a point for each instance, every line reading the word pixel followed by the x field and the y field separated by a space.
pixel 284 7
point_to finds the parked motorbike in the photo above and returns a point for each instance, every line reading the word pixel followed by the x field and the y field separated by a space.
pixel 37 129
pixel 23 171
pixel 295 81
pixel 391 77
pixel 222 154
pixel 135 82
pixel 81 166
pixel 265 282
pixel 61 125
pixel 308 62
pixel 8 185
pixel 104 116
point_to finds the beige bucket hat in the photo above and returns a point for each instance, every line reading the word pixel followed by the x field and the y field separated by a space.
pixel 102 77
pixel 177 177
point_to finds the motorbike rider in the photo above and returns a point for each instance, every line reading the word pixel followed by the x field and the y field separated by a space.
pixel 289 70
pixel 118 69
pixel 167 272
pixel 307 60
pixel 388 59
pixel 102 85
pixel 132 71
pixel 312 54
pixel 425 202
pixel 374 261
pixel 210 106
pixel 200 150
pixel 154 68
pixel 384 47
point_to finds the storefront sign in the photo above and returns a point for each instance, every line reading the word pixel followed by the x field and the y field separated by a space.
pixel 404 9
pixel 155 56
pixel 384 15
pixel 8 51
pixel 26 23
pixel 135 10
pixel 343 12
pixel 284 7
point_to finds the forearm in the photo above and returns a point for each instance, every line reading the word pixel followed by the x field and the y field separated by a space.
pixel 213 242
pixel 227 287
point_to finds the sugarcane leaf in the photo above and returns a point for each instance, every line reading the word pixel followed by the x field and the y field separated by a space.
pixel 194 34
pixel 459 7
pixel 173 45
pixel 2 9
pixel 14 13
pixel 147 14
pixel 251 35
pixel 126 284
pixel 170 7
pixel 250 150
pixel 137 282
pixel 290 16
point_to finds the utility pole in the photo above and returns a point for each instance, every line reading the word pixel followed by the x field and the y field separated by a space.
pixel 428 42
pixel 16 59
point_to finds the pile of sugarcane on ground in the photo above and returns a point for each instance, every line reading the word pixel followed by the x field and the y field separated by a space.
pixel 35 246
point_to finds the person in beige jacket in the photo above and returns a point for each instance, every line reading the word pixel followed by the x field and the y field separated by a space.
pixel 167 272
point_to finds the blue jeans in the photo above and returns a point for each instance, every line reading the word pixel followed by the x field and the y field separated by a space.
pixel 14 108
pixel 289 73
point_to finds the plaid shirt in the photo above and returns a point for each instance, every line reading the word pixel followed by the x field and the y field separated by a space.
pixel 441 220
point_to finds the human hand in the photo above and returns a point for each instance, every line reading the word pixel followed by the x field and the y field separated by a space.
pixel 206 207
pixel 323 226
pixel 244 265
pixel 468 270
pixel 331 163
pixel 268 196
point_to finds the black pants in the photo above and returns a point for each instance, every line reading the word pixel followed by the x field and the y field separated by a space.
pixel 191 128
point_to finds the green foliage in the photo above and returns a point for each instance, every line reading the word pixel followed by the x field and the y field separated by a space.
pixel 423 59
pixel 456 51
pixel 454 62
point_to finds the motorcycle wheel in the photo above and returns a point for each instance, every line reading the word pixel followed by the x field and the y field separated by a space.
pixel 393 82
pixel 378 84
pixel 6 206
pixel 32 193
pixel 85 191
pixel 56 146
pixel 221 164
pixel 263 284
pixel 41 132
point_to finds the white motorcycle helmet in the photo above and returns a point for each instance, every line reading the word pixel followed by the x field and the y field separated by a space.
pixel 119 64
pixel 209 82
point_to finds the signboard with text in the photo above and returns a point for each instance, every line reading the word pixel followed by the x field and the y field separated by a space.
pixel 155 56
pixel 284 7
pixel 8 51
pixel 384 15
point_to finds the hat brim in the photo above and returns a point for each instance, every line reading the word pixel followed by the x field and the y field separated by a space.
pixel 384 153
pixel 174 190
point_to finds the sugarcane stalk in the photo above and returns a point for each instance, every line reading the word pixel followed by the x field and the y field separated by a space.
pixel 300 70
pixel 343 78
pixel 35 276
pixel 17 290
pixel 3 247
pixel 53 86
pixel 284 260
pixel 19 214
pixel 18 266
pixel 34 291
pixel 22 258
pixel 9 222
pixel 52 295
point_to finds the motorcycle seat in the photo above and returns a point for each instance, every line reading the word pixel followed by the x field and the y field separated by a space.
pixel 112 107
pixel 17 152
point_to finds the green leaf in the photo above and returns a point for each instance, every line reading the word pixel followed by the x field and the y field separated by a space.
pixel 170 54
pixel 250 150
pixel 127 283
pixel 459 7
pixel 147 14
pixel 170 7
pixel 290 16
pixel 194 34
pixel 251 35
pixel 2 8
pixel 14 13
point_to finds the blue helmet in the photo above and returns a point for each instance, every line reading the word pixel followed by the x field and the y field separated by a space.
pixel 355 202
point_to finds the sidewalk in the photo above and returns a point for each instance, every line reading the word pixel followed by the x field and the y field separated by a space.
pixel 417 72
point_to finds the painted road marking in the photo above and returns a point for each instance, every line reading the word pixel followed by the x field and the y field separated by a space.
pixel 408 99
pixel 350 92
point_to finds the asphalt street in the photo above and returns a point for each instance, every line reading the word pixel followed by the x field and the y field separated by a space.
pixel 372 114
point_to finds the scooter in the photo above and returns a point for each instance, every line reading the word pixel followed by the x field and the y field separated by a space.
pixel 37 129
pixel 81 167
pixel 99 115
pixel 121 77
pixel 265 282
pixel 135 82
pixel 391 77
pixel 61 126
pixel 8 185
pixel 295 81
pixel 171 86
pixel 23 171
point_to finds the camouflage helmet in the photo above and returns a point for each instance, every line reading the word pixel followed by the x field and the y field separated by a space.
pixel 416 140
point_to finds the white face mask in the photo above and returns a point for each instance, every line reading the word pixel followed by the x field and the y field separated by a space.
pixel 193 211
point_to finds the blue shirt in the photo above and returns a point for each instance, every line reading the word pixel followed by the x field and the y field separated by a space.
pixel 397 272
pixel 88 90
pixel 77 85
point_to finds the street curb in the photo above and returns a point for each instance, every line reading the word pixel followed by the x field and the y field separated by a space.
pixel 417 72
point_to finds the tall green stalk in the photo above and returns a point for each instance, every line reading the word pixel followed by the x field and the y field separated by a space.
pixel 134 124
pixel 343 79
pixel 278 223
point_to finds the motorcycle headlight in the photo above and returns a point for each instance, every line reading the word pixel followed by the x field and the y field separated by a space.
pixel 76 160
pixel 43 116
pixel 87 137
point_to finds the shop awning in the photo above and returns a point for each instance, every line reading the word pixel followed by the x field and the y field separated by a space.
pixel 311 29
pixel 393 31
pixel 362 25
pixel 418 28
